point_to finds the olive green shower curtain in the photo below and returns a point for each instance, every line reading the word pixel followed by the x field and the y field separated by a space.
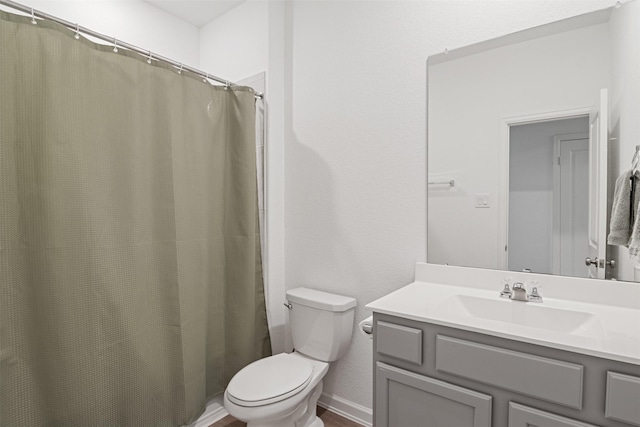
pixel 130 267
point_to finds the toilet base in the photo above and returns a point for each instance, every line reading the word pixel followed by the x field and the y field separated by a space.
pixel 303 416
pixel 317 423
pixel 314 423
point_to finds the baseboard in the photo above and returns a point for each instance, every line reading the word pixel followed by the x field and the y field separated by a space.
pixel 209 418
pixel 214 412
pixel 352 411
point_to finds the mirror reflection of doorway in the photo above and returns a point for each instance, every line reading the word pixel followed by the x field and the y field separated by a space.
pixel 548 196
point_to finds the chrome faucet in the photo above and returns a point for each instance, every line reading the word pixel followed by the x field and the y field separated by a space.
pixel 519 292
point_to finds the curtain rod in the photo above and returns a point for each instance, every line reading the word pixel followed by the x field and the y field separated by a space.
pixel 117 43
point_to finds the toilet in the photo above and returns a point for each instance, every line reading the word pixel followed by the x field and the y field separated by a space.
pixel 283 390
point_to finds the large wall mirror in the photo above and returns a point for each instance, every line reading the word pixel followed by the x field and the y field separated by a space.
pixel 527 134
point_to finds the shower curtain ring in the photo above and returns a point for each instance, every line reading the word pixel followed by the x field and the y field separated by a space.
pixel 115 45
pixel 180 70
pixel 149 58
pixel 77 36
pixel 33 17
pixel 205 79
pixel 227 84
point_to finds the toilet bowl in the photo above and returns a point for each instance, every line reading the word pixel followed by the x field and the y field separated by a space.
pixel 278 391
pixel 283 390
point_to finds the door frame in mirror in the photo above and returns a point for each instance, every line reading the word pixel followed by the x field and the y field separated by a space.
pixel 503 196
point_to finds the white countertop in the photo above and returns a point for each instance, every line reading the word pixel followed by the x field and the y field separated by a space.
pixel 612 333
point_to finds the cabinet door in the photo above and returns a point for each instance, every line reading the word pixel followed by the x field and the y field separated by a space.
pixel 407 399
pixel 524 416
pixel 623 395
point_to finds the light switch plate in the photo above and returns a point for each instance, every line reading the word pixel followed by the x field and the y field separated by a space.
pixel 482 201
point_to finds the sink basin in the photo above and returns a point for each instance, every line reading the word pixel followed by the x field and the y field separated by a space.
pixel 532 315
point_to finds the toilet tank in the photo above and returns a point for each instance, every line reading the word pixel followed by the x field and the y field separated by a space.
pixel 321 323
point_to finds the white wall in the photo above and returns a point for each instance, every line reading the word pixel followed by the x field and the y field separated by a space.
pixel 236 45
pixel 531 169
pixel 355 155
pixel 559 72
pixel 133 21
pixel 625 105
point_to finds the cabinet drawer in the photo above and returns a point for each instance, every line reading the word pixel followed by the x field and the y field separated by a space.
pixel 400 342
pixel 540 377
pixel 523 416
pixel 623 398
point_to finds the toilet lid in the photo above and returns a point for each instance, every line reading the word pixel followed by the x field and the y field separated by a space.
pixel 270 380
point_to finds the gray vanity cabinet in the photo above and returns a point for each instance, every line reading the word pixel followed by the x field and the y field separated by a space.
pixel 427 375
pixel 408 399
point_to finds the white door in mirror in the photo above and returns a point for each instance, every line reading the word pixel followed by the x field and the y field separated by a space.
pixel 598 140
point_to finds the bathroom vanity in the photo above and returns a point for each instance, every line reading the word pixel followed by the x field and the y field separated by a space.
pixel 448 351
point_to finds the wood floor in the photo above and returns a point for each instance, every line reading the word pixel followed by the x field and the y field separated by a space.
pixel 329 418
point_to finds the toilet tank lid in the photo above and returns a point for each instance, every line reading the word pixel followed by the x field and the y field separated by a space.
pixel 321 300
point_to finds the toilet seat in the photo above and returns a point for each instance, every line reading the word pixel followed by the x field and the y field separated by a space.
pixel 270 380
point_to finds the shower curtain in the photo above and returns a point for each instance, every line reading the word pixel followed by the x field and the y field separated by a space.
pixel 130 267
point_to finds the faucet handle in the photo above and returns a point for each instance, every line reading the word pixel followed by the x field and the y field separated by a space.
pixel 506 291
pixel 534 296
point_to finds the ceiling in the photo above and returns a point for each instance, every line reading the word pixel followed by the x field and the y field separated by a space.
pixel 196 12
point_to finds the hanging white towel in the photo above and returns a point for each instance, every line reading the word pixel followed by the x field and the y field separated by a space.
pixel 634 242
pixel 624 227
pixel 622 212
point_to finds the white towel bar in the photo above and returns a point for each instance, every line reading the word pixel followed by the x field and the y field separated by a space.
pixel 451 183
